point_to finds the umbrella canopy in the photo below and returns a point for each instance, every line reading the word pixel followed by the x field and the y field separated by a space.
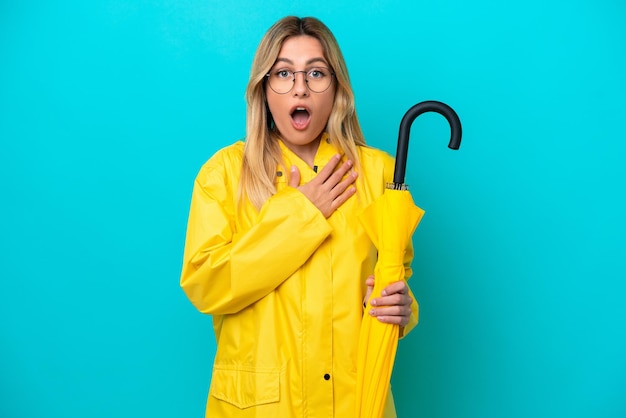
pixel 390 222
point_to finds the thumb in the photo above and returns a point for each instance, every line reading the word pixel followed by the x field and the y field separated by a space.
pixel 294 177
pixel 370 288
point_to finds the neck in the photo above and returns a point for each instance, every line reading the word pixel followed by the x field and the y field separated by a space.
pixel 306 152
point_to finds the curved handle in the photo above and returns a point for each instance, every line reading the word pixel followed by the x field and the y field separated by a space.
pixel 405 128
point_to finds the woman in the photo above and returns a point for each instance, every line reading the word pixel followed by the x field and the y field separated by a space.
pixel 274 250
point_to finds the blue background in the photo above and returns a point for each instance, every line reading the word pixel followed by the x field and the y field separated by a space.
pixel 108 109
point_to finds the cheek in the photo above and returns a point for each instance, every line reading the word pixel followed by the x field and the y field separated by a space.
pixel 327 105
pixel 273 101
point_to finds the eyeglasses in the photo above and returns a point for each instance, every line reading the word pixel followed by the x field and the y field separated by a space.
pixel 317 79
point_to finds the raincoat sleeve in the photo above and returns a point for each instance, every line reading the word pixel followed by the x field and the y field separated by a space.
pixel 224 270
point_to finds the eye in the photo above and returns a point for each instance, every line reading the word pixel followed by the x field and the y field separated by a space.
pixel 317 73
pixel 283 74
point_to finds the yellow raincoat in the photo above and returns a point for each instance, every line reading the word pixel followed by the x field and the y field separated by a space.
pixel 285 287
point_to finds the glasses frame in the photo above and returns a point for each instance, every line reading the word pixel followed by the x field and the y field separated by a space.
pixel 306 79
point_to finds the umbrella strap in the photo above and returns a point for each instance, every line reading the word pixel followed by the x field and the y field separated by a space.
pixel 397 186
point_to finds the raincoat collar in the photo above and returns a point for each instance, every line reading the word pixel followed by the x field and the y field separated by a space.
pixel 324 153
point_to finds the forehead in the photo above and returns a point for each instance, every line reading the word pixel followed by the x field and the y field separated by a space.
pixel 301 49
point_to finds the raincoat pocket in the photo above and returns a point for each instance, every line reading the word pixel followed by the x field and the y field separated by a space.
pixel 245 387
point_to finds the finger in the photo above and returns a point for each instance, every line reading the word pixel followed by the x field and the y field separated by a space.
pixel 339 174
pixel 395 320
pixel 342 198
pixel 390 311
pixel 328 170
pixel 369 282
pixel 394 310
pixel 294 177
pixel 343 184
pixel 342 191
pixel 392 315
pixel 393 300
pixel 397 287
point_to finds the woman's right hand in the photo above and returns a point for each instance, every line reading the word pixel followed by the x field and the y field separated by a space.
pixel 329 189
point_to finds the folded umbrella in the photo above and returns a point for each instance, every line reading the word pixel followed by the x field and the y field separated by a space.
pixel 390 222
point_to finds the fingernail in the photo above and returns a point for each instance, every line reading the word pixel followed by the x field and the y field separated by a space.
pixel 373 302
pixel 384 293
pixel 372 312
pixel 293 168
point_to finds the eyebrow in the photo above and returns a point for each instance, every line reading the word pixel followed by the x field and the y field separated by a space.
pixel 309 62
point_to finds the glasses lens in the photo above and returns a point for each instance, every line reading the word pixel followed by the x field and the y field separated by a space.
pixel 318 80
pixel 281 81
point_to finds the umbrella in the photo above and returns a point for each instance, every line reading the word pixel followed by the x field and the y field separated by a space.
pixel 390 222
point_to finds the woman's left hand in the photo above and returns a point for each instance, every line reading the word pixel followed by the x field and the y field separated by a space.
pixel 394 304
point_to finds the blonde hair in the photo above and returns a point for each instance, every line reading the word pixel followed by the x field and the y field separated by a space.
pixel 262 153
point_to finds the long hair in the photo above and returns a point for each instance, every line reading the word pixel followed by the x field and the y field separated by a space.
pixel 262 153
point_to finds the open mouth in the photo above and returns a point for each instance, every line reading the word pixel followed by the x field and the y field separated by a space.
pixel 300 118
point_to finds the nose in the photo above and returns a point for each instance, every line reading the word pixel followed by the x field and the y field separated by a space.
pixel 300 87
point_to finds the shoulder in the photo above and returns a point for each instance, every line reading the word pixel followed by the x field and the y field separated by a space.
pixel 373 159
pixel 223 169
pixel 231 155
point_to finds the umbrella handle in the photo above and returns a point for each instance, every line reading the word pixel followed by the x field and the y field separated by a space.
pixel 405 128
